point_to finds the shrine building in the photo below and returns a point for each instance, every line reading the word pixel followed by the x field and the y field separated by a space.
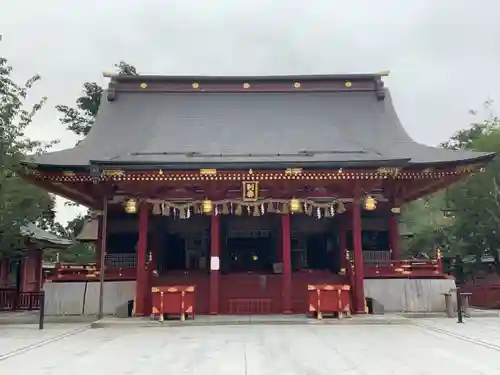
pixel 250 191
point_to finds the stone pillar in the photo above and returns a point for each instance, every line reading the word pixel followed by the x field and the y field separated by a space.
pixel 4 273
pixel 142 276
pixel 359 267
pixel 394 237
pixel 214 263
pixel 98 243
pixel 286 245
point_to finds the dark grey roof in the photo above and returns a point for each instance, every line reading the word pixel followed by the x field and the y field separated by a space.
pixel 249 128
pixel 32 231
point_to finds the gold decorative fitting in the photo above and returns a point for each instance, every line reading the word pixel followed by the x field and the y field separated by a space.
pixel 348 84
pixel 144 85
pixel 295 205
pixel 296 85
pixel 113 173
pixel 246 85
pixel 69 174
pixel 130 206
pixel 389 171
pixel 369 203
pixel 293 171
pixel 208 171
pixel 207 206
pixel 195 85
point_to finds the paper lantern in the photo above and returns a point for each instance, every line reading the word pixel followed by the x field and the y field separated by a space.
pixel 370 203
pixel 130 206
pixel 207 206
pixel 294 205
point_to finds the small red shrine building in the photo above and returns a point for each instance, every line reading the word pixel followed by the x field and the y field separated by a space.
pixel 251 189
pixel 21 278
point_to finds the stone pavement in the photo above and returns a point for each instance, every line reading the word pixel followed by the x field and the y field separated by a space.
pixel 430 346
pixel 22 337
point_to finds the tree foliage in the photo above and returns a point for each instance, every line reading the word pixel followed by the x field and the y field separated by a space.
pixel 20 202
pixel 79 252
pixel 465 218
pixel 79 119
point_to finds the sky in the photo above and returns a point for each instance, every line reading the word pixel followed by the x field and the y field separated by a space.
pixel 444 56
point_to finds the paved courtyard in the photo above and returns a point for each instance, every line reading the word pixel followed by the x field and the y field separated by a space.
pixel 432 346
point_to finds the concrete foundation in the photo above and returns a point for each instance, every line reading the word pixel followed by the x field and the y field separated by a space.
pixel 396 295
pixel 410 295
pixel 82 298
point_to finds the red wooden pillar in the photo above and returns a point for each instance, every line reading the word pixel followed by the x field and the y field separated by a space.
pixel 394 237
pixel 286 244
pixel 214 263
pixel 279 243
pixel 344 262
pixel 142 276
pixel 359 267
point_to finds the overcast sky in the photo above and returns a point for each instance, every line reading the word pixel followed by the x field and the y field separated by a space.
pixel 444 55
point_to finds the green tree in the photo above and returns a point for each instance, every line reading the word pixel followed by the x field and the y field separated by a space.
pixel 79 252
pixel 426 226
pixel 20 202
pixel 475 203
pixel 463 218
pixel 79 119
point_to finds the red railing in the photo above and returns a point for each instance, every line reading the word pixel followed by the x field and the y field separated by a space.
pixel 11 300
pixel 373 269
pixel 484 296
pixel 85 272
pixel 404 268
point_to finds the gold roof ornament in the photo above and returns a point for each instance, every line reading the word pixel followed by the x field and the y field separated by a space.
pixel 369 203
pixel 130 206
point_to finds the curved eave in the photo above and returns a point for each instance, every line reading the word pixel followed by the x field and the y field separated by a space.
pixel 483 158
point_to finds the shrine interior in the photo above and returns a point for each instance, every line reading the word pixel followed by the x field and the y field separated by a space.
pixel 249 244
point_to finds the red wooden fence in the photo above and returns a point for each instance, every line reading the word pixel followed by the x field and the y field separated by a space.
pixel 11 300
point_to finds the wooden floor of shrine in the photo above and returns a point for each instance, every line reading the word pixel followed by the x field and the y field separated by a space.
pixel 249 293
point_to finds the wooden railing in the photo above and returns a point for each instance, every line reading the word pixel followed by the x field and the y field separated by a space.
pixel 373 269
pixel 11 300
pixel 84 272
pixel 404 268
pixel 483 296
